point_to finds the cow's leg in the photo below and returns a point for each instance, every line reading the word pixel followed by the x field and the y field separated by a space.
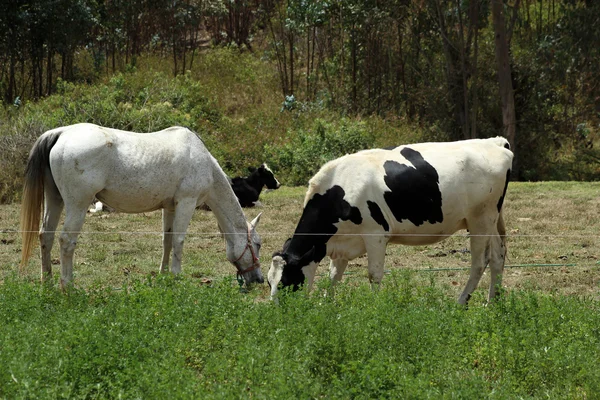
pixel 53 205
pixel 167 239
pixel 310 272
pixel 375 246
pixel 498 258
pixel 337 268
pixel 184 210
pixel 336 272
pixel 479 257
pixel 74 218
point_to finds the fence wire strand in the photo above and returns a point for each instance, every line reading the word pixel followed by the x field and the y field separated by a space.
pixel 289 234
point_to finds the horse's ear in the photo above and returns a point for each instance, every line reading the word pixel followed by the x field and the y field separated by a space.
pixel 255 221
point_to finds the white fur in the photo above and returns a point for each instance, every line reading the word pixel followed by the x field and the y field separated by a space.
pixel 133 172
pixel 472 175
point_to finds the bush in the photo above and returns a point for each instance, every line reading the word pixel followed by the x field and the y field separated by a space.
pixel 136 102
pixel 299 159
pixel 14 149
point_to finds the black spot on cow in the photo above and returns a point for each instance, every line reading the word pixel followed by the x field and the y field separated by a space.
pixel 377 215
pixel 316 227
pixel 501 200
pixel 414 190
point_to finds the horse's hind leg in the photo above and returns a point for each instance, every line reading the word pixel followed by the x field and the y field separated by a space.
pixel 53 205
pixel 167 239
pixel 74 218
pixel 184 210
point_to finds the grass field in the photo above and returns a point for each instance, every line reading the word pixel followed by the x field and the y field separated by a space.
pixel 126 332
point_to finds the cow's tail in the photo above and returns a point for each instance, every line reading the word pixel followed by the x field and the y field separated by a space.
pixel 33 191
pixel 500 225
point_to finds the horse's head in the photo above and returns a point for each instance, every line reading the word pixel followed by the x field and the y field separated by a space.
pixel 267 177
pixel 248 263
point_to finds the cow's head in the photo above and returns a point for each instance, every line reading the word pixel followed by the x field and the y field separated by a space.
pixel 287 270
pixel 267 177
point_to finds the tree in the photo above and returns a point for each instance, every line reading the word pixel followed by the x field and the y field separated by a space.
pixel 507 98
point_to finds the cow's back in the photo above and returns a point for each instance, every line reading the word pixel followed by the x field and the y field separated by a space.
pixel 426 188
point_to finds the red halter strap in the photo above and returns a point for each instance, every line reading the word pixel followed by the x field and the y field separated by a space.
pixel 255 261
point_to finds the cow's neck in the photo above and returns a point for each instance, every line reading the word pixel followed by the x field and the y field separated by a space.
pixel 255 181
pixel 308 236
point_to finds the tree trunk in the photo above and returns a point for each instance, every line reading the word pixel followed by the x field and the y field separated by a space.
pixel 10 92
pixel 504 73
pixel 49 72
pixel 291 40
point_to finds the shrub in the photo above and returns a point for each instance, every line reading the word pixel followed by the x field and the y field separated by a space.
pixel 136 102
pixel 300 158
pixel 14 149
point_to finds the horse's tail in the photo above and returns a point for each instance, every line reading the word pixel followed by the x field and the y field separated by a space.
pixel 33 190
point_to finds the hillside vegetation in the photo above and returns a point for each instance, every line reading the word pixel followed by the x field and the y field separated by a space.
pixel 297 83
pixel 230 99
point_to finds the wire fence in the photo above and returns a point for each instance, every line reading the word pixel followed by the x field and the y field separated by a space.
pixel 289 234
pixel 593 263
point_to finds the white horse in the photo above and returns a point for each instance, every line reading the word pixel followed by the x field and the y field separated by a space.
pixel 131 172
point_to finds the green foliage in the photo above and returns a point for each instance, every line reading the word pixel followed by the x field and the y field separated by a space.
pixel 167 337
pixel 300 158
pixel 137 102
pixel 14 148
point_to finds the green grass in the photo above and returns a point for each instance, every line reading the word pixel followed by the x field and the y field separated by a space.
pixel 125 331
pixel 165 337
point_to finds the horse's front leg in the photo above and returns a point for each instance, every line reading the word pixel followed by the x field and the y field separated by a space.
pixel 167 239
pixel 184 210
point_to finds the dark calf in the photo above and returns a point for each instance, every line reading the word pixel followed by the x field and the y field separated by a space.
pixel 247 189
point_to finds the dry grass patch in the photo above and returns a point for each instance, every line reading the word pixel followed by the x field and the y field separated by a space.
pixel 553 228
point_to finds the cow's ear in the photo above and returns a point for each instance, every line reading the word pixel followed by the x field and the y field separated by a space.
pixel 251 169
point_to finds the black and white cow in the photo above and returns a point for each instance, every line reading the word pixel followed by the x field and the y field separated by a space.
pixel 416 194
pixel 247 189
